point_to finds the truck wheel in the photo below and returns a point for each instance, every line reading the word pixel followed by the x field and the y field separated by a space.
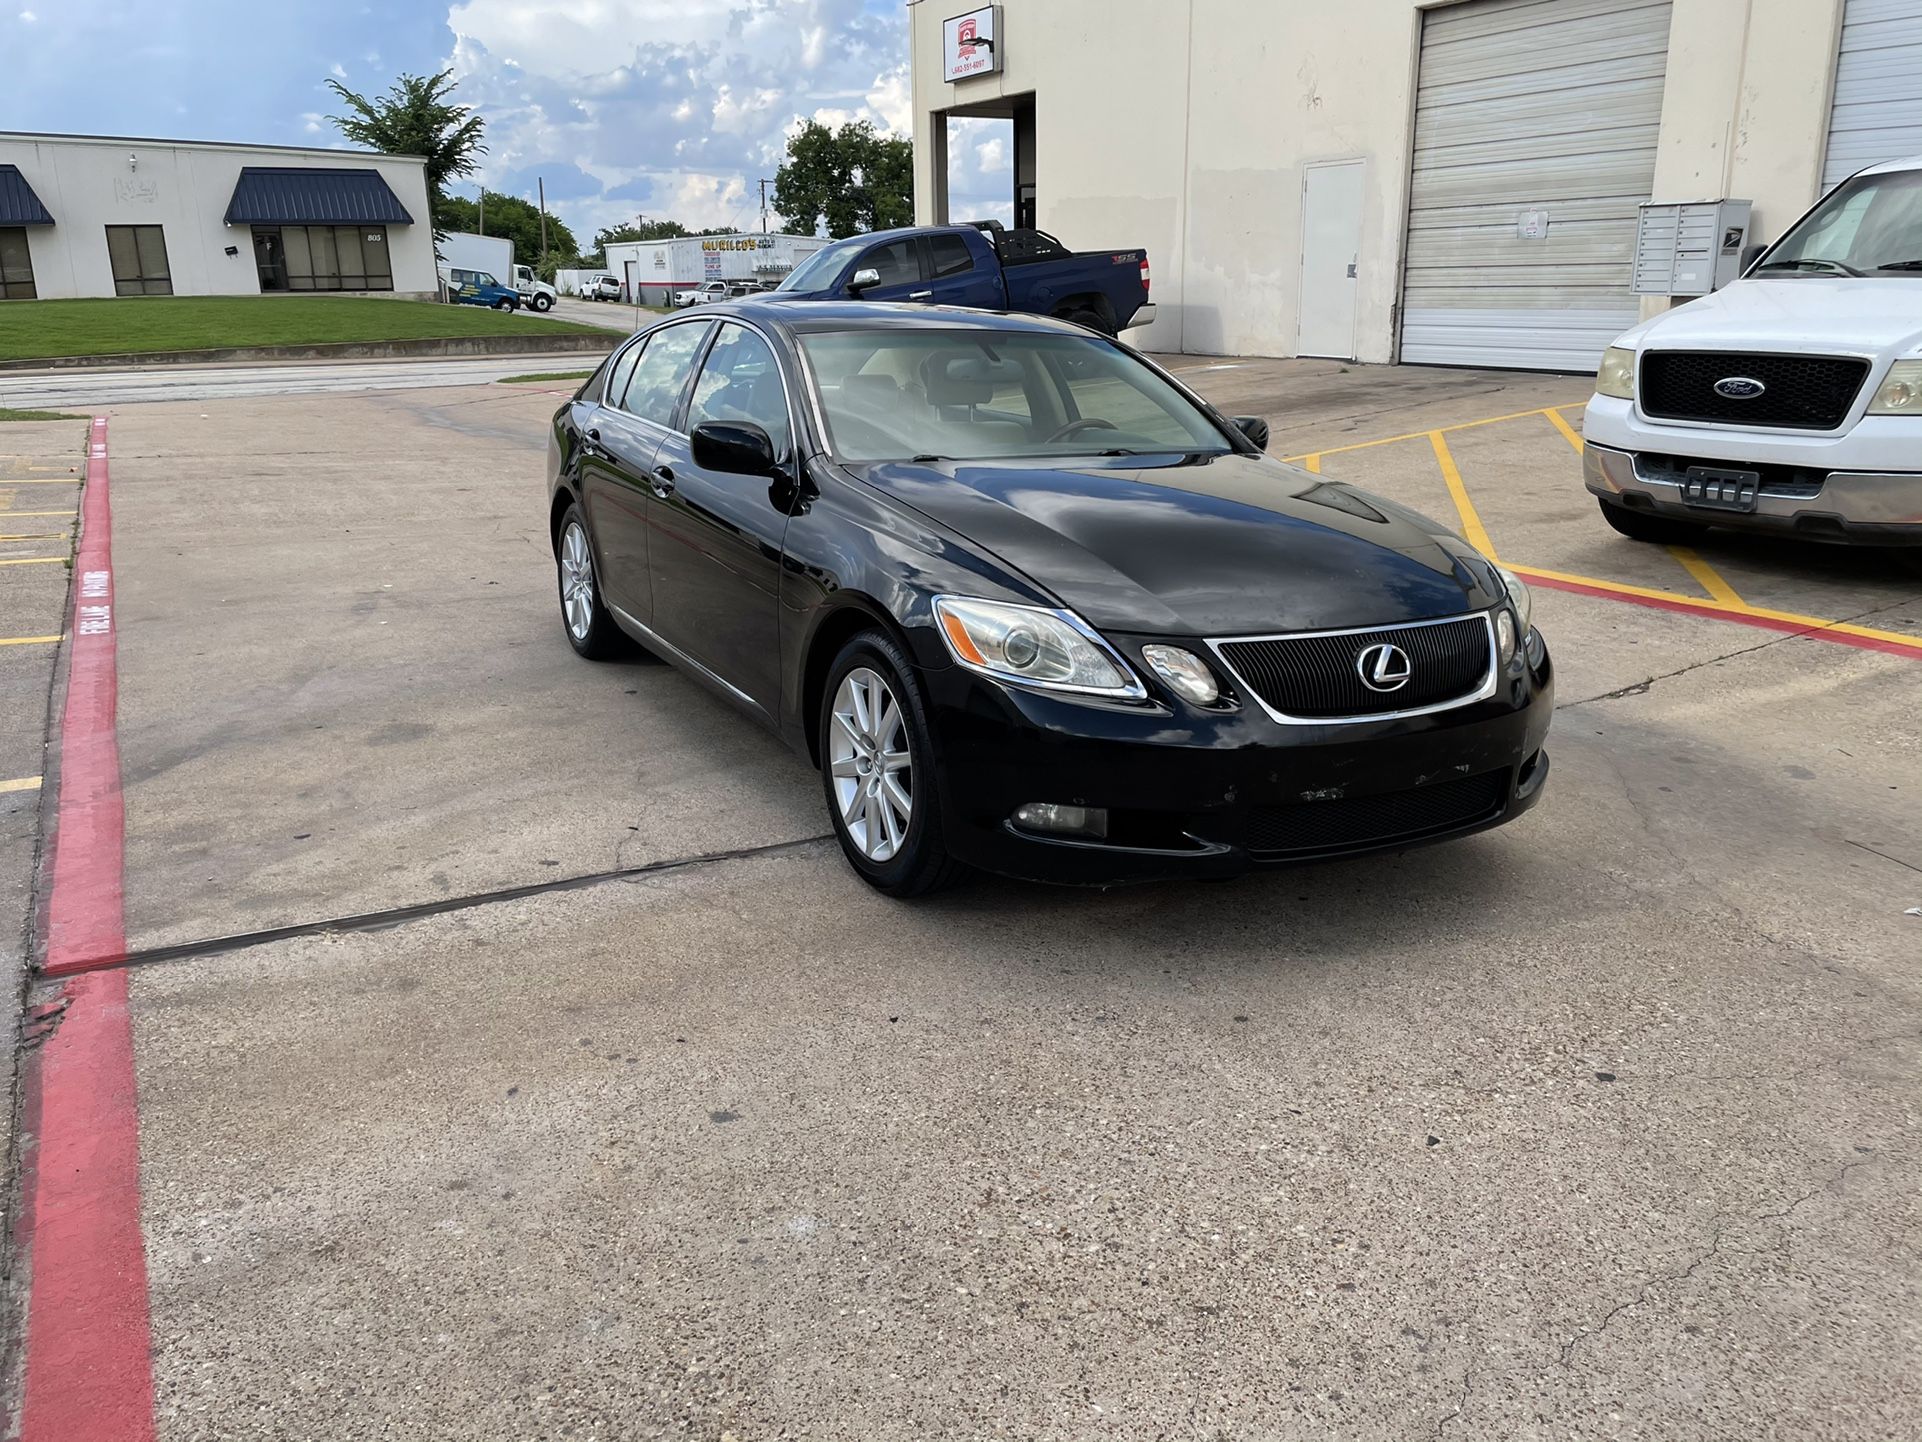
pixel 543 302
pixel 1092 320
pixel 1656 530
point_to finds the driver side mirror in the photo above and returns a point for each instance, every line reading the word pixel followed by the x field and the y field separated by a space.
pixel 1751 255
pixel 738 448
pixel 866 278
pixel 1255 428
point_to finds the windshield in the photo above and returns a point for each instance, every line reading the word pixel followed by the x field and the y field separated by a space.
pixel 973 395
pixel 823 265
pixel 1869 225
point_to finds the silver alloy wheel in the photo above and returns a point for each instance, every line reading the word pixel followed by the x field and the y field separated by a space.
pixel 870 764
pixel 577 581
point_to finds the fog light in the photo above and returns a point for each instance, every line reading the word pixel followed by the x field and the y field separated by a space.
pixel 1063 820
pixel 1185 672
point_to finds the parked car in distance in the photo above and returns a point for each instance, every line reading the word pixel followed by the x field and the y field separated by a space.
pixel 604 287
pixel 535 293
pixel 1030 605
pixel 479 287
pixel 982 266
pixel 1788 402
pixel 707 294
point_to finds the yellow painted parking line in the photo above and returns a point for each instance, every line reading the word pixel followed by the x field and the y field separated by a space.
pixel 27 640
pixel 5 512
pixel 1471 521
pixel 1312 463
pixel 35 481
pixel 1710 579
pixel 32 560
pixel 35 536
pixel 1417 435
pixel 23 783
pixel 1736 609
pixel 1573 436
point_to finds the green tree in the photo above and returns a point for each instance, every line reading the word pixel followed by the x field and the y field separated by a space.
pixel 509 215
pixel 849 180
pixel 417 117
pixel 641 228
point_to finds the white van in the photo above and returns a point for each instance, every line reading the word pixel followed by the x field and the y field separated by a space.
pixel 1790 401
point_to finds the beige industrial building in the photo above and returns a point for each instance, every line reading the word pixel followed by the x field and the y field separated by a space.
pixel 1448 183
pixel 93 215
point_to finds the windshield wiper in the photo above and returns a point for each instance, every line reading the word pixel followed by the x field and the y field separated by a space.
pixel 1799 264
pixel 1901 265
pixel 925 460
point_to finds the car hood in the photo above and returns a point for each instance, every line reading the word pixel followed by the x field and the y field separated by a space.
pixel 1202 546
pixel 1811 314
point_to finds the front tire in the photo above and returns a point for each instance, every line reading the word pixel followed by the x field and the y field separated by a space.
pixel 877 769
pixel 590 627
pixel 1655 530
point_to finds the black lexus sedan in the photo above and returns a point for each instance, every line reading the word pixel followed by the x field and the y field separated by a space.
pixel 1029 604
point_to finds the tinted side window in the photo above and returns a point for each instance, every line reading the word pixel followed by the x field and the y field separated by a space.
pixel 618 373
pixel 594 386
pixel 661 377
pixel 895 261
pixel 741 381
pixel 950 255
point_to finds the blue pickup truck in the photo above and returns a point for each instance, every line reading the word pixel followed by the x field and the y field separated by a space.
pixel 982 266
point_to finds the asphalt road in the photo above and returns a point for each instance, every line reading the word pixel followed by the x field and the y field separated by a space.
pixel 1598 1126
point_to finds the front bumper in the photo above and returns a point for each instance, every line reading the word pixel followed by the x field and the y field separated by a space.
pixel 1209 793
pixel 1877 509
pixel 1145 315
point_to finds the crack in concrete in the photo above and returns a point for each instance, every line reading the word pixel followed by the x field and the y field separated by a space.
pixel 1864 846
pixel 1461 1402
pixel 1714 1249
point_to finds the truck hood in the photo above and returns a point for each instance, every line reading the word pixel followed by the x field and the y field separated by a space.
pixel 1201 546
pixel 1816 314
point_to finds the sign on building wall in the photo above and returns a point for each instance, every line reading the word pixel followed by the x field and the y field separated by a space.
pixel 971 43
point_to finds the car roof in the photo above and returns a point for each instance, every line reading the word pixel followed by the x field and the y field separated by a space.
pixel 1887 167
pixel 813 317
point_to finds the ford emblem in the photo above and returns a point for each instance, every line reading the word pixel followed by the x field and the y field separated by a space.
pixel 1739 388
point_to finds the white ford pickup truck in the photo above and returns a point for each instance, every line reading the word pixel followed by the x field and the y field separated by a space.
pixel 1789 401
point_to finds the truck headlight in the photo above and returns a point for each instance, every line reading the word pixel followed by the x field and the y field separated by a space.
pixel 1051 650
pixel 1616 378
pixel 1901 393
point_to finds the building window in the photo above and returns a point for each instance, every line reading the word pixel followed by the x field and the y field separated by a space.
pixel 16 265
pixel 139 256
pixel 322 257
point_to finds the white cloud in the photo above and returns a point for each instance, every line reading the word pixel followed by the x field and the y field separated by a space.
pixel 991 156
pixel 337 70
pixel 313 122
pixel 27 17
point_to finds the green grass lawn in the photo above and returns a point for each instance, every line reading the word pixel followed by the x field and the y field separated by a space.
pixel 546 376
pixel 10 415
pixel 30 329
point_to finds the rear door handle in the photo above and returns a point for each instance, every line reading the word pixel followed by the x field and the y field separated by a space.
pixel 662 483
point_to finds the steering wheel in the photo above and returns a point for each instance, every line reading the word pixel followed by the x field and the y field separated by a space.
pixel 1072 428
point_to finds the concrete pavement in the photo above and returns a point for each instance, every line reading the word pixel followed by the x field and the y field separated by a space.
pixel 53 389
pixel 1600 1125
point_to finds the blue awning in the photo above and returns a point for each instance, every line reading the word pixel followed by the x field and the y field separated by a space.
pixel 313 195
pixel 18 204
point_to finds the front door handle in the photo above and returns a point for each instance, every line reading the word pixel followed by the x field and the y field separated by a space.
pixel 920 295
pixel 662 483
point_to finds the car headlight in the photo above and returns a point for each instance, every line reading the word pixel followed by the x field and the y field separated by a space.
pixel 1054 650
pixel 1185 672
pixel 1901 393
pixel 1617 376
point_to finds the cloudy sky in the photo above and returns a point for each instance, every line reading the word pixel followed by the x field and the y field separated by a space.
pixel 668 108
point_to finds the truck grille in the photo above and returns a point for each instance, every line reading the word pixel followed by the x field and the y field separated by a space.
pixel 1349 822
pixel 1317 676
pixel 1810 393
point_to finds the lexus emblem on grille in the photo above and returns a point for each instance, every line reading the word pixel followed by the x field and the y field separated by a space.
pixel 1739 388
pixel 1384 667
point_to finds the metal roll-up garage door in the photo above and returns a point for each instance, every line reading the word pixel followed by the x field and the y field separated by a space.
pixel 1535 130
pixel 1877 113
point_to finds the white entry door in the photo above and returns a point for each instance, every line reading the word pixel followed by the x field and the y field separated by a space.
pixel 1331 196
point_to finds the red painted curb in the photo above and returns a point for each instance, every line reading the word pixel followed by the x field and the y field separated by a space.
pixel 89 1372
pixel 1717 613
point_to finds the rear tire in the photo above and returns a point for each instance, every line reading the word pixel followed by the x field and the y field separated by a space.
pixel 1092 320
pixel 876 750
pixel 543 303
pixel 588 624
pixel 1655 530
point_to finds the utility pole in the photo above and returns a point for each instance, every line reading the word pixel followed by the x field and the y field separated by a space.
pixel 483 210
pixel 542 184
pixel 764 185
